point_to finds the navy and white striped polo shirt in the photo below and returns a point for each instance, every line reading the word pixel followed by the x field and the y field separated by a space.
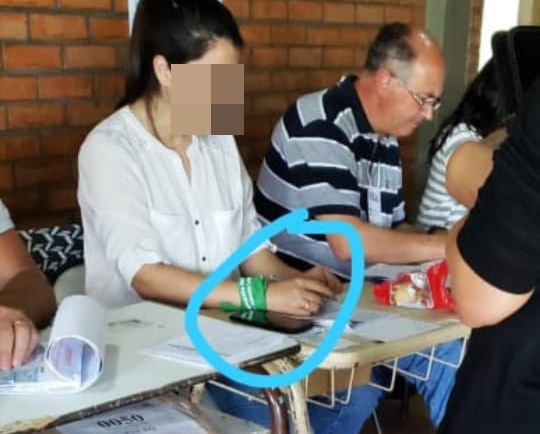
pixel 323 156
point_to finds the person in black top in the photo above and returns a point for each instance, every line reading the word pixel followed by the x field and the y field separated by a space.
pixel 494 257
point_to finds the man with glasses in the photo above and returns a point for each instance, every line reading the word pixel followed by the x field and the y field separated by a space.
pixel 335 152
pixel 424 102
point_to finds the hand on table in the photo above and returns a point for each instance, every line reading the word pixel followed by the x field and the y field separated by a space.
pixel 18 337
pixel 302 295
pixel 326 277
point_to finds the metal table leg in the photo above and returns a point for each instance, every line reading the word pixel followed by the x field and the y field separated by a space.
pixel 278 411
pixel 296 396
pixel 276 404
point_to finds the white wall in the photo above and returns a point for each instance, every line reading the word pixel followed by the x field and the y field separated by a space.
pixel 497 15
pixel 132 7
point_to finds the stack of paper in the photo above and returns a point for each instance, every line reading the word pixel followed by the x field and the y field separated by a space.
pixel 235 343
pixel 73 358
pixel 330 310
pixel 383 326
pixel 393 328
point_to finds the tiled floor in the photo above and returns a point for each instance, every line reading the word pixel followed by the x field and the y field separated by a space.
pixel 392 422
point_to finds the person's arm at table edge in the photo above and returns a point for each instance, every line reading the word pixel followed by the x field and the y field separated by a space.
pixel 174 285
pixel 22 285
pixel 386 245
pixel 469 166
pixel 478 303
pixel 267 263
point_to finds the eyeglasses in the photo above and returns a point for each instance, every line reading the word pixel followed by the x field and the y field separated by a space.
pixel 423 101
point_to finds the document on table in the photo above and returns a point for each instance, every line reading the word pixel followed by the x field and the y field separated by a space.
pixel 73 357
pixel 370 324
pixel 326 317
pixel 330 310
pixel 392 328
pixel 143 417
pixel 315 336
pixel 163 417
pixel 233 342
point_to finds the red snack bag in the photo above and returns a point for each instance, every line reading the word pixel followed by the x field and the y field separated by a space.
pixel 423 289
pixel 439 283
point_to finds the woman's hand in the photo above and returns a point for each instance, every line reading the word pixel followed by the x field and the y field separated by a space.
pixel 297 296
pixel 326 277
pixel 18 337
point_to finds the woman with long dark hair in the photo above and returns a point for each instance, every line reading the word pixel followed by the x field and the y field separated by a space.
pixel 162 210
pixel 478 114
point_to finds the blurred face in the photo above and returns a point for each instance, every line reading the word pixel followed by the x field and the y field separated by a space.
pixel 415 98
pixel 207 94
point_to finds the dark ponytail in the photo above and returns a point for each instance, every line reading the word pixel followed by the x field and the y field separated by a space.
pixel 481 107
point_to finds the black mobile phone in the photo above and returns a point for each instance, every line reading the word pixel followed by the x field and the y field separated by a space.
pixel 272 321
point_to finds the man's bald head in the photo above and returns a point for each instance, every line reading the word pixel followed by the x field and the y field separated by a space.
pixel 403 79
pixel 398 46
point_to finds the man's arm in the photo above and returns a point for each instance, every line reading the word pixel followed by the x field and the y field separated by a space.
pixel 472 294
pixel 22 286
pixel 26 300
pixel 386 245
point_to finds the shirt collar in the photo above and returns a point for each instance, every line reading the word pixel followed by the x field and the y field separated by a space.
pixel 348 95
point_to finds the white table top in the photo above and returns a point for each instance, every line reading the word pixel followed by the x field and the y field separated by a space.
pixel 367 352
pixel 128 374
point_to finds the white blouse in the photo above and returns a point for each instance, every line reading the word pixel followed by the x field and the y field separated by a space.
pixel 139 207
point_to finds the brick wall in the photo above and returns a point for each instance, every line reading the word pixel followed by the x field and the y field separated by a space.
pixel 61 71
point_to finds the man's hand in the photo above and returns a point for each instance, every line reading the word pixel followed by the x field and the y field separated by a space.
pixel 18 337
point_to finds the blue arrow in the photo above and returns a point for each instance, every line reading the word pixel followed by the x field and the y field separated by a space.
pixel 295 223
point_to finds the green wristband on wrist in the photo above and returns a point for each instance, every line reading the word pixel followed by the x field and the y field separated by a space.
pixel 252 292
